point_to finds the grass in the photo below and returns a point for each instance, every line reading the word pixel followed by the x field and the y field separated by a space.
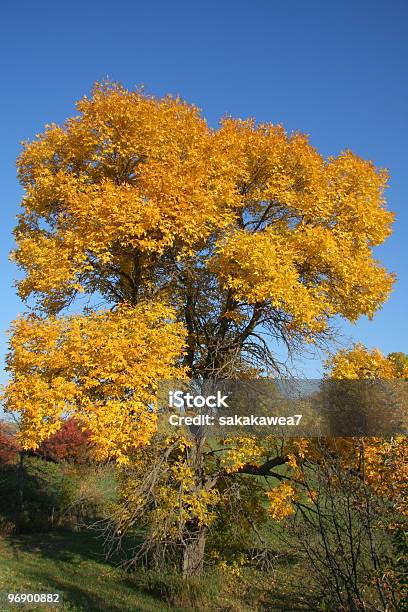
pixel 73 564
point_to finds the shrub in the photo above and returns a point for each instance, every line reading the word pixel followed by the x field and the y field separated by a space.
pixel 70 444
pixel 8 444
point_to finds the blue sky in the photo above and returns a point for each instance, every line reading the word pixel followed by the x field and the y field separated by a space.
pixel 335 70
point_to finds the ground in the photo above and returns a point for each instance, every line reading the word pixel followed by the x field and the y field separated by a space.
pixel 70 564
pixel 73 564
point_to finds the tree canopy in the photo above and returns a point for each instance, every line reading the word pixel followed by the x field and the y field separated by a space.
pixel 178 246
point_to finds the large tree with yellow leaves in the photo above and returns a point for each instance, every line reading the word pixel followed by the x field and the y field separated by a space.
pixel 152 247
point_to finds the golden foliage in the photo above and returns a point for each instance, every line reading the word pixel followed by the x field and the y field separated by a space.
pixel 385 462
pixel 129 173
pixel 361 363
pixel 281 501
pixel 137 174
pixel 137 201
pixel 101 368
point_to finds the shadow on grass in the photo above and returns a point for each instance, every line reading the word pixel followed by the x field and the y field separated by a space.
pixel 61 545
pixel 286 603
pixel 74 565
pixel 65 545
pixel 76 596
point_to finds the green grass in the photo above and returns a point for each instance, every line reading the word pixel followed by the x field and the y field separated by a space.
pixel 73 565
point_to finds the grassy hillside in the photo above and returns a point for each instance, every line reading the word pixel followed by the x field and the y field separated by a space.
pixel 72 563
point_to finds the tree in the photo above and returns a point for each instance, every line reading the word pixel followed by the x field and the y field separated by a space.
pixel 356 493
pixel 346 532
pixel 385 460
pixel 185 249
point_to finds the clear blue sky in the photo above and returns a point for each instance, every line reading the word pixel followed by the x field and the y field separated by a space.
pixel 335 70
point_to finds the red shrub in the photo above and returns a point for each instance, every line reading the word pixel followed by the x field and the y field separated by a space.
pixel 70 443
pixel 8 443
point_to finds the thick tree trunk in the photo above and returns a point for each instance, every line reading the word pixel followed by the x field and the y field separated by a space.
pixel 193 554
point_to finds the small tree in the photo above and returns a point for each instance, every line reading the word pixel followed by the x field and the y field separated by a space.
pixel 344 530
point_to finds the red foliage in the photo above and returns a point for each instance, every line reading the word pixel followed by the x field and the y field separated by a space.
pixel 70 443
pixel 8 444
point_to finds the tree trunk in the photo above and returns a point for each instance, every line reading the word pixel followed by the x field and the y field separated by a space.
pixel 193 554
pixel 194 535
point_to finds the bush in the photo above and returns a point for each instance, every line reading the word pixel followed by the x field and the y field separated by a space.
pixel 8 444
pixel 69 444
pixel 344 532
pixel 32 492
pixel 88 491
